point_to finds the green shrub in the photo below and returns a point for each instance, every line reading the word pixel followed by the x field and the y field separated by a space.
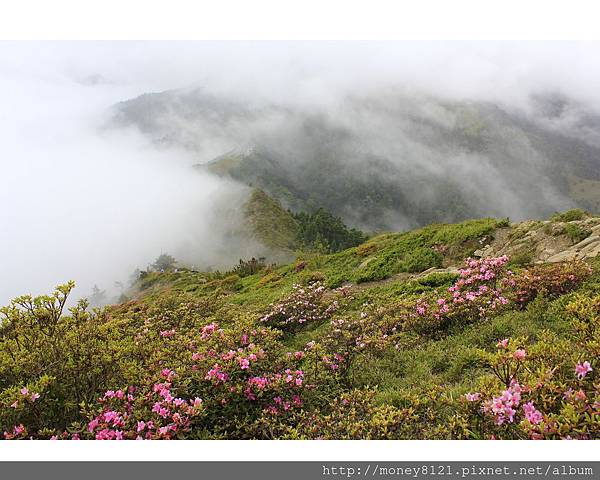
pixel 325 232
pixel 569 215
pixel 438 279
pixel 203 366
pixel 576 233
pixel 421 260
pixel 245 268
pixel 523 257
pixel 550 280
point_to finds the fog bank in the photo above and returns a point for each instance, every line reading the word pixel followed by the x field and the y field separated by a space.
pixel 84 202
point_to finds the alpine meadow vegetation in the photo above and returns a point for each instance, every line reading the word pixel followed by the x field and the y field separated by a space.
pixel 381 340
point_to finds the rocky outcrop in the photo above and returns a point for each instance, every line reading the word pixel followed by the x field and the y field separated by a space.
pixel 546 241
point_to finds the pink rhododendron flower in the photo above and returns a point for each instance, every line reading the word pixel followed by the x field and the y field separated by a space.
pixel 580 395
pixel 531 414
pixel 16 431
pixel 503 343
pixel 229 355
pixel 582 369
pixel 519 354
pixel 216 373
pixel 260 382
pixel 24 391
pixel 472 397
pixel 93 425
pixel 209 329
pixel 249 394
pixel 197 356
pixel 244 363
pixel 503 407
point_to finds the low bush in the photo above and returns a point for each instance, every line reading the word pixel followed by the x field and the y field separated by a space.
pixel 303 306
pixel 550 280
pixel 446 357
pixel 570 215
pixel 576 233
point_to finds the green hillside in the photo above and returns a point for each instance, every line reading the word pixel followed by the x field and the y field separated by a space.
pixel 271 224
pixel 284 232
pixel 389 159
pixel 397 338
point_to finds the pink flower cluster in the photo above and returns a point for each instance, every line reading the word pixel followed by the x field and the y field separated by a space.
pixel 210 329
pixel 519 354
pixel 25 395
pixel 582 369
pixel 168 333
pixel 281 385
pixel 479 289
pixel 301 306
pixel 333 362
pixel 578 396
pixel 480 278
pixel 280 405
pixel 244 356
pixel 216 375
pixel 532 414
pixel 18 431
pixel 473 397
pixel 503 407
pixel 299 355
pixel 121 412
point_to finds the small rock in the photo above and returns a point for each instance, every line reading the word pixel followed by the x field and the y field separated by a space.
pixel 593 251
pixel 563 256
pixel 586 242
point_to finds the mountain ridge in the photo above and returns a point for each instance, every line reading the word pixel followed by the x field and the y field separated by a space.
pixel 388 161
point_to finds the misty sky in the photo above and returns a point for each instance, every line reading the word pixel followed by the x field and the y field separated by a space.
pixel 78 201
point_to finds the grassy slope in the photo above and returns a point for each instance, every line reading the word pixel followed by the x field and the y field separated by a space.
pixel 380 258
pixel 271 224
pixel 450 360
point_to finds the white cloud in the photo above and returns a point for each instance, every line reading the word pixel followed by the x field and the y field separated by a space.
pixel 79 202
